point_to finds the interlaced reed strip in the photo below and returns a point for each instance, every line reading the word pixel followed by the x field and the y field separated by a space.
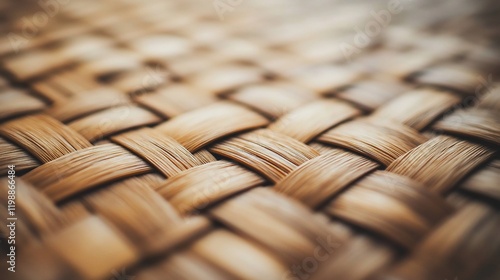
pixel 251 139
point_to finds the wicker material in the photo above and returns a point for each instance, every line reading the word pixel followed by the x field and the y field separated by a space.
pixel 155 140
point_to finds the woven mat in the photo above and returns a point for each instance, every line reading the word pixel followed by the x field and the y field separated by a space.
pixel 250 139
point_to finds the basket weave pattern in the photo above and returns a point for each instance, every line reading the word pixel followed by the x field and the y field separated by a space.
pixel 154 140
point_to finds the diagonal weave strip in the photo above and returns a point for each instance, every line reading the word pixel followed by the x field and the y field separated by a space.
pixel 251 140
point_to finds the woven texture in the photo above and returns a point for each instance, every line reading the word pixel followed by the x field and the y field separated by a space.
pixel 251 139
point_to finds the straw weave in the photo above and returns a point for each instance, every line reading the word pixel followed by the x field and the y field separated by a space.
pixel 170 140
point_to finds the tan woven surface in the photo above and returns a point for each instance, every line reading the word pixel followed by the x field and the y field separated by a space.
pixel 176 140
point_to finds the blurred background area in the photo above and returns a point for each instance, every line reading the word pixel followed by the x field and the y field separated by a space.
pixel 280 23
pixel 60 48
